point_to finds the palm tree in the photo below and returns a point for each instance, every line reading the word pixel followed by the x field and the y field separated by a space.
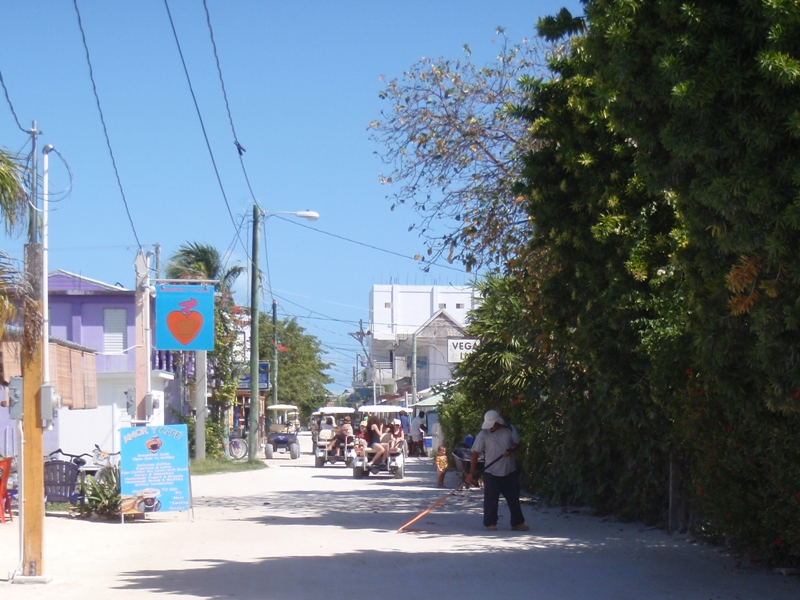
pixel 201 261
pixel 13 207
pixel 13 198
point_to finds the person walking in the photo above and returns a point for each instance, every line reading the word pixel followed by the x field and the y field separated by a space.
pixel 418 430
pixel 497 441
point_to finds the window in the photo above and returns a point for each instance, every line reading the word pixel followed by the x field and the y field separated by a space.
pixel 115 329
pixel 459 305
pixel 387 305
pixel 442 305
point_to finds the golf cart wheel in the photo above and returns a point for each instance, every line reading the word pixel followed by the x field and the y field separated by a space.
pixel 400 472
pixel 294 451
pixel 319 461
pixel 268 451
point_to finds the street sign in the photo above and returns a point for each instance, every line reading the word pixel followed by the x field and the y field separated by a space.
pixel 184 317
pixel 458 348
pixel 263 378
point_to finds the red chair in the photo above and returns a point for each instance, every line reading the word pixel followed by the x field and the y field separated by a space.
pixel 5 499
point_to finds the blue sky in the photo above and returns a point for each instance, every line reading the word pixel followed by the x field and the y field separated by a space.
pixel 302 81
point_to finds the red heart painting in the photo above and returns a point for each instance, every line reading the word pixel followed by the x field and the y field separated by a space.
pixel 184 326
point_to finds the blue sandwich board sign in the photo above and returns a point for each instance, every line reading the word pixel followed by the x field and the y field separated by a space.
pixel 154 469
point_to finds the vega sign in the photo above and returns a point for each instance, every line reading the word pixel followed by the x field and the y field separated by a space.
pixel 184 317
pixel 458 348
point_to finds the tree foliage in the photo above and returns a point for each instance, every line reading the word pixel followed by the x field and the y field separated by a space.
pixel 453 150
pixel 648 321
pixel 301 370
pixel 13 197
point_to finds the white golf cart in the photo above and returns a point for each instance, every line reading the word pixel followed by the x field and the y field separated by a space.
pixel 395 460
pixel 343 453
pixel 284 424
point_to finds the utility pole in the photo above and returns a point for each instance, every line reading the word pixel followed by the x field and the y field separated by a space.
pixel 200 390
pixel 413 368
pixel 252 438
pixel 32 450
pixel 158 261
pixel 274 366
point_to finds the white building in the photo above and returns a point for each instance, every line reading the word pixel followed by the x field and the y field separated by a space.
pixel 402 316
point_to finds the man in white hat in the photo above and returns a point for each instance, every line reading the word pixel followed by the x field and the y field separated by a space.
pixel 498 440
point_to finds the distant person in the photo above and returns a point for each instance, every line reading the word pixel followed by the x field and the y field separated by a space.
pixel 418 430
pixel 398 435
pixel 339 440
pixel 404 422
pixel 441 464
pixel 497 441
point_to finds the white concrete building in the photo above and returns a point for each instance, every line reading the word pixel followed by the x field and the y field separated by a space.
pixel 398 313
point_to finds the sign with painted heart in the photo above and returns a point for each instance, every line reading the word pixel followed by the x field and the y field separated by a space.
pixel 184 317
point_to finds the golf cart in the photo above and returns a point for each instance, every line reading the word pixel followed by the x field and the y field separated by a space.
pixel 283 429
pixel 344 453
pixel 395 460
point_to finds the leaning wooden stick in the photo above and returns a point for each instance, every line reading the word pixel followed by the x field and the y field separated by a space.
pixel 430 508
pixel 442 499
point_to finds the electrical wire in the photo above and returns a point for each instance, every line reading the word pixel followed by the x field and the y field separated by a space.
pixel 203 127
pixel 266 257
pixel 340 237
pixel 65 193
pixel 103 123
pixel 239 148
pixel 11 106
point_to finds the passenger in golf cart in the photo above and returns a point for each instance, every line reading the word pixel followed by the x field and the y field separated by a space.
pixel 335 442
pixel 377 453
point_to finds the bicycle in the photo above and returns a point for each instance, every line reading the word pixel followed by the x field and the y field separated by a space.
pixel 237 446
pixel 104 461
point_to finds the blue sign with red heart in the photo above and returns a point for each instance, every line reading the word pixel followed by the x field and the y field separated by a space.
pixel 184 317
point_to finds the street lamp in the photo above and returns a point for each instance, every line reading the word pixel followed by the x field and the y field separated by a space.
pixel 308 215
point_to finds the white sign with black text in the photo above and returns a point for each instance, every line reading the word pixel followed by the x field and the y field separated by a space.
pixel 458 348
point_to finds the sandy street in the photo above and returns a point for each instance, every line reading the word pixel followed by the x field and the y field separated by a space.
pixel 294 531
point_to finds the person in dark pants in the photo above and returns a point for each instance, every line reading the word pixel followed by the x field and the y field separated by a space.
pixel 497 441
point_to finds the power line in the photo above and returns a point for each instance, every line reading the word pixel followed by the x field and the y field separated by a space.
pixel 340 237
pixel 203 127
pixel 103 122
pixel 240 150
pixel 11 106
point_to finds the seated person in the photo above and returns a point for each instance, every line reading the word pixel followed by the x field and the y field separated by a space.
pixel 375 431
pixel 339 440
pixel 398 435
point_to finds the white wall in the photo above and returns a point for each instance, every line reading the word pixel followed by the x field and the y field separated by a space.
pixel 411 305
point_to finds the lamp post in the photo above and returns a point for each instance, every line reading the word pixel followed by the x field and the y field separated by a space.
pixel 254 378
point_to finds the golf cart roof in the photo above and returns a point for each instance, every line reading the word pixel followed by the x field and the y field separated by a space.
pixel 282 407
pixel 336 410
pixel 380 408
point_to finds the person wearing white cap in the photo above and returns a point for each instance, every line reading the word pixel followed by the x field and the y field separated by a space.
pixel 497 440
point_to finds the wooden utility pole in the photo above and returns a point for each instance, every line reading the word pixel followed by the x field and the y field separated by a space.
pixel 32 504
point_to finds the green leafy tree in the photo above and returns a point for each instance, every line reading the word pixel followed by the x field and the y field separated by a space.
pixel 701 100
pixel 13 197
pixel 301 370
